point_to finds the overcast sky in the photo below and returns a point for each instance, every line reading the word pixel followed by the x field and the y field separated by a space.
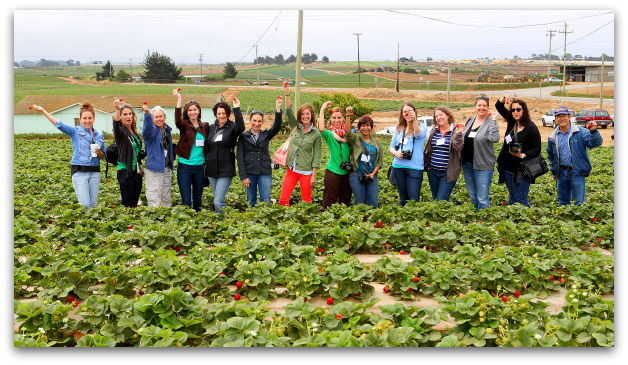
pixel 230 35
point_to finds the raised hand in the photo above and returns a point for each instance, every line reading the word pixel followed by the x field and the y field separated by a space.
pixel 236 102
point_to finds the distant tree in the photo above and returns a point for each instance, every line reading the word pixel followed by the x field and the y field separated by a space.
pixel 515 57
pixel 313 57
pixel 429 58
pixel 279 59
pixel 44 62
pixel 411 59
pixel 292 58
pixel 70 62
pixel 306 58
pixel 123 75
pixel 259 60
pixel 410 70
pixel 106 73
pixel 230 71
pixel 325 59
pixel 379 69
pixel 268 60
pixel 16 64
pixel 424 72
pixel 159 68
pixel 77 63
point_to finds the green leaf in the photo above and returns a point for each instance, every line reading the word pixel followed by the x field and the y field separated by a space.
pixel 449 341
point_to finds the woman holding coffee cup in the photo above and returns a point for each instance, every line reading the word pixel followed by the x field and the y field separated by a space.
pixel 87 149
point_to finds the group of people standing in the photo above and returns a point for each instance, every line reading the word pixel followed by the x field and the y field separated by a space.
pixel 207 153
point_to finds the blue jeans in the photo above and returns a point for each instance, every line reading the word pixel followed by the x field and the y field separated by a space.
pixel 220 185
pixel 191 180
pixel 517 193
pixel 261 181
pixel 478 183
pixel 569 186
pixel 441 189
pixel 364 194
pixel 409 183
pixel 86 185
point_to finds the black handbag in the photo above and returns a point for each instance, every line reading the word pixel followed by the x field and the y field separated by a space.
pixel 533 167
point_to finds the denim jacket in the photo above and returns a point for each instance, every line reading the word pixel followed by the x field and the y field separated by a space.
pixel 81 139
pixel 579 140
pixel 155 158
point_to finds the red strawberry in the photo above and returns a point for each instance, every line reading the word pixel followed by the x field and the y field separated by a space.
pixel 107 180
pixel 50 222
pixel 516 294
pixel 304 300
pixel 458 125
pixel 590 126
pixel 130 227
pixel 194 295
pixel 386 290
pixel 239 285
pixel 285 82
pixel 74 305
pixel 177 248
pixel 409 290
pixel 379 224
pixel 279 97
pixel 599 239
pixel 329 111
pixel 351 114
pixel 489 114
pixel 70 298
pixel 339 316
pixel 236 296
pixel 505 298
pixel 518 270
pixel 375 225
pixel 415 279
pixel 461 295
pixel 406 114
pixel 504 203
pixel 551 278
pixel 561 280
pixel 222 273
pixel 76 302
pixel 145 102
pixel 592 245
pixel 178 89
pixel 120 99
pixel 141 293
pixel 320 249
pixel 30 107
pixel 330 301
pixel 285 291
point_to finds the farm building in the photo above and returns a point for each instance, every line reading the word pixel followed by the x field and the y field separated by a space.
pixel 591 72
pixel 66 109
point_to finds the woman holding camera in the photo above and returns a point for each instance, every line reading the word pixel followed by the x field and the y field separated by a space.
pixel 129 158
pixel 222 139
pixel 337 188
pixel 442 154
pixel 367 159
pixel 526 146
pixel 254 161
pixel 407 167
pixel 88 146
pixel 304 153
pixel 160 157
pixel 191 150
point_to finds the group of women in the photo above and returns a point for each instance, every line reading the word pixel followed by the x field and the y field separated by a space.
pixel 207 153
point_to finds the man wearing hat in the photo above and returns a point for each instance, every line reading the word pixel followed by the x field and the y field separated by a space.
pixel 568 157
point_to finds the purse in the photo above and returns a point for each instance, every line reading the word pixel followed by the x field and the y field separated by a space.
pixel 281 155
pixel 139 169
pixel 533 167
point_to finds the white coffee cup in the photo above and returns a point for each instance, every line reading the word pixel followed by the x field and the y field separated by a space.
pixel 93 147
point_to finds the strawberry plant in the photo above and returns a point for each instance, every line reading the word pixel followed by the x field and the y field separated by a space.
pixel 346 276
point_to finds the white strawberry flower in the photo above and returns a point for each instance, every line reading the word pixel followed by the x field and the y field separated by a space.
pixel 585 293
pixel 575 300
pixel 571 296
pixel 537 336
pixel 574 286
pixel 314 324
pixel 65 320
pixel 253 333
pixel 41 330
pixel 314 329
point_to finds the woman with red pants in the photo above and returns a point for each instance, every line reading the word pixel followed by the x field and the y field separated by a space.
pixel 304 154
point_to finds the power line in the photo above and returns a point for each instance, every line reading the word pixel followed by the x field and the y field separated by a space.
pixel 585 35
pixel 247 52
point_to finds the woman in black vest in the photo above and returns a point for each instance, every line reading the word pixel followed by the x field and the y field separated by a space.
pixel 254 161
pixel 129 146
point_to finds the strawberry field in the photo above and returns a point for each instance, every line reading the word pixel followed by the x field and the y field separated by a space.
pixel 427 274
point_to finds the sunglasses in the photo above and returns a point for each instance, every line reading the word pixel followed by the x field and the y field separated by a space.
pixel 191 101
pixel 483 97
pixel 516 109
pixel 258 112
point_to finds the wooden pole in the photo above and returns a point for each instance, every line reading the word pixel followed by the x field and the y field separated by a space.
pixel 297 96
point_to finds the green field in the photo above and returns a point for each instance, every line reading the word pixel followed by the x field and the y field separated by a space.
pixel 579 95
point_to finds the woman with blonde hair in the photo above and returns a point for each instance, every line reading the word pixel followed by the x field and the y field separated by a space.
pixel 406 145
pixel 88 146
pixel 442 154
pixel 160 157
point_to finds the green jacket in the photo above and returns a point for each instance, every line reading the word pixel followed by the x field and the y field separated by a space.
pixel 307 146
pixel 354 140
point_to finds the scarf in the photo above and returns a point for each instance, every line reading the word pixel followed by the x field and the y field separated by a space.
pixel 339 131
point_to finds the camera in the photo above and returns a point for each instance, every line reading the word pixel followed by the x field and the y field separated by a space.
pixel 515 148
pixel 346 165
pixel 365 179
pixel 274 166
pixel 407 155
pixel 142 154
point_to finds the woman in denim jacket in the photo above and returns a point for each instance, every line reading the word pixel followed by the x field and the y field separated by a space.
pixel 87 149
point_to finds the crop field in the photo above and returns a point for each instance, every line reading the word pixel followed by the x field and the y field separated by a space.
pixel 83 70
pixel 427 274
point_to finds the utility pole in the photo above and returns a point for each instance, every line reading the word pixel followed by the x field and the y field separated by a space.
pixel 397 67
pixel 257 63
pixel 359 69
pixel 200 58
pixel 297 96
pixel 110 69
pixel 565 56
pixel 549 55
pixel 602 82
pixel 131 65
pixel 448 82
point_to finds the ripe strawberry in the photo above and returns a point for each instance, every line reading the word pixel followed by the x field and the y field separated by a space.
pixel 178 89
pixel 130 227
pixel 339 316
pixel 145 102
pixel 561 280
pixel 406 114
pixel 75 302
pixel 386 290
pixel 351 114
pixel 285 82
pixel 409 290
pixel 504 203
pixel 304 300
pixel 30 107
pixel 592 245
pixel 320 249
pixel 120 99
pixel 401 252
pixel 285 291
pixel 516 294
pixel 505 298
pixel 177 248
pixel 141 293
pixel 375 225
pixel 459 126
pixel 415 279
pixel 50 222
pixel 551 278
pixel 461 295
pixel 239 285
pixel 518 270
pixel 70 298
pixel 222 273
pixel 379 224
pixel 589 126
pixel 330 301
pixel 236 296
pixel 599 239
pixel 194 295
pixel 279 97
pixel 74 305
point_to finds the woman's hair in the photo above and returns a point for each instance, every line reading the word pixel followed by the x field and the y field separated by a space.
pixel 365 120
pixel 87 107
pixel 402 121
pixel 445 110
pixel 481 97
pixel 256 112
pixel 187 106
pixel 336 109
pixel 158 109
pixel 525 116
pixel 302 109
pixel 134 123
pixel 223 105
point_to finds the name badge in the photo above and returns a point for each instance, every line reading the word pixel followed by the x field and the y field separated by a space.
pixel 219 138
pixel 473 134
pixel 366 158
pixel 440 142
pixel 406 140
pixel 508 139
pixel 200 142
pixel 165 153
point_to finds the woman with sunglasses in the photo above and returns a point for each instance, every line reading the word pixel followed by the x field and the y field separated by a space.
pixel 221 140
pixel 191 150
pixel 129 146
pixel 478 154
pixel 526 146
pixel 254 161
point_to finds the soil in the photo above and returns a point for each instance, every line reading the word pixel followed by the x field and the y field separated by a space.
pixel 608 90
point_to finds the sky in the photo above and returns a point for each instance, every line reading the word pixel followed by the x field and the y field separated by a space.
pixel 230 35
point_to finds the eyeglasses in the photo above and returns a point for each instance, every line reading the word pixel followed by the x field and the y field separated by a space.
pixel 483 97
pixel 516 109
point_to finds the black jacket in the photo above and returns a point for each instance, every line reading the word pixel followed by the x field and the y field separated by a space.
pixel 122 136
pixel 254 158
pixel 220 155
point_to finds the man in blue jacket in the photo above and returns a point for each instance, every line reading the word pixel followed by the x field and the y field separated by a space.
pixel 568 157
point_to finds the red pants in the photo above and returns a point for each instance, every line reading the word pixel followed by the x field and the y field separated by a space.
pixel 290 182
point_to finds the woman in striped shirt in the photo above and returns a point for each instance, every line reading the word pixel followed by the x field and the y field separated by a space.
pixel 442 154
